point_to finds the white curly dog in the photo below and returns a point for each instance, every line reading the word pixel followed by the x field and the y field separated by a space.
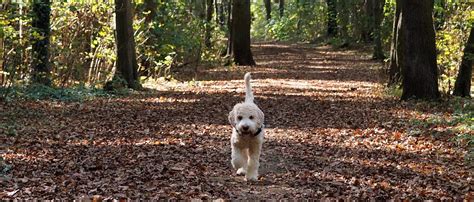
pixel 247 134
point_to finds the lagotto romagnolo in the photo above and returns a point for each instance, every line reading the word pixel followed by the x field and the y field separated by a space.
pixel 247 134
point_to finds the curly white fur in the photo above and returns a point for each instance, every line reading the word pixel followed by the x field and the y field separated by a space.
pixel 247 134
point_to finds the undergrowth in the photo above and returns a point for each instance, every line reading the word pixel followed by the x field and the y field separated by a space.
pixel 42 92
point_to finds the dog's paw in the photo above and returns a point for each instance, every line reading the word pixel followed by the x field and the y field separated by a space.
pixel 251 177
pixel 241 171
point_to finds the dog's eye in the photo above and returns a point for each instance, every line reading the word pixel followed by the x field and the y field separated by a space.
pixel 251 117
pixel 239 117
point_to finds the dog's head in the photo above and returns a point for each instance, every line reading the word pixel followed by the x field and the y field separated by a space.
pixel 246 118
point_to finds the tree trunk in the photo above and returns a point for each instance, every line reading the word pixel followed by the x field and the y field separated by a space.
pixel 268 9
pixel 420 73
pixel 241 32
pixel 41 26
pixel 377 29
pixel 394 67
pixel 281 7
pixel 332 15
pixel 209 13
pixel 230 31
pixel 126 53
pixel 462 87
pixel 222 12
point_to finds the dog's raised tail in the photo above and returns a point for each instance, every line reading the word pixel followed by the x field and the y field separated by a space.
pixel 248 88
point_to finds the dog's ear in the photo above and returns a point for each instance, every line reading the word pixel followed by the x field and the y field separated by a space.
pixel 231 118
pixel 260 117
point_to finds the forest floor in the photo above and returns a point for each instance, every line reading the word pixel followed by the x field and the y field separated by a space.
pixel 332 131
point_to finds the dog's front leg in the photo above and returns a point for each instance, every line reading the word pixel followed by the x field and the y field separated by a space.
pixel 239 160
pixel 253 162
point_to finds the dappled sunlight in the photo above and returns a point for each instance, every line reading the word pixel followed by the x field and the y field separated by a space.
pixel 169 100
pixel 330 128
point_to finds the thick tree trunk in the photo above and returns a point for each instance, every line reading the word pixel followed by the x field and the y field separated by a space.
pixel 209 13
pixel 462 87
pixel 332 15
pixel 394 67
pixel 126 53
pixel 281 7
pixel 241 32
pixel 41 25
pixel 268 9
pixel 420 73
pixel 377 29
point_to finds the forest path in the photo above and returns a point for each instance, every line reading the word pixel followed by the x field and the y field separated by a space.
pixel 330 132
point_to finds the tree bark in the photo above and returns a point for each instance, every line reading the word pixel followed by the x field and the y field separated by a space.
pixel 126 52
pixel 462 87
pixel 222 12
pixel 332 15
pixel 420 72
pixel 230 33
pixel 209 13
pixel 41 25
pixel 394 67
pixel 377 29
pixel 268 9
pixel 241 32
pixel 281 7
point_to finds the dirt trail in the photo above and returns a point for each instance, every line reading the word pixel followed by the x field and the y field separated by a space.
pixel 330 132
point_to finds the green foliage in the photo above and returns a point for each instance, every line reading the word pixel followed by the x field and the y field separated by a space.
pixel 4 167
pixel 459 126
pixel 394 91
pixel 83 49
pixel 42 92
pixel 450 39
pixel 302 22
pixel 15 51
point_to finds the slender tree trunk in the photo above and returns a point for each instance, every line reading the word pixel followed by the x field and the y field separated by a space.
pixel 230 31
pixel 420 73
pixel 41 25
pixel 332 18
pixel 126 52
pixel 222 13
pixel 241 32
pixel 281 7
pixel 377 29
pixel 368 20
pixel 216 7
pixel 209 13
pixel 394 67
pixel 462 87
pixel 268 9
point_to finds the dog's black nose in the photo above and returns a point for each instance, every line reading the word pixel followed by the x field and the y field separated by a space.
pixel 245 127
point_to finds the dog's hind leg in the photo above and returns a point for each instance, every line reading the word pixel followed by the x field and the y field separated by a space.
pixel 239 160
pixel 253 162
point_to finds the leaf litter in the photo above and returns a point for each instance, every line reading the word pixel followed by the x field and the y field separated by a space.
pixel 331 132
